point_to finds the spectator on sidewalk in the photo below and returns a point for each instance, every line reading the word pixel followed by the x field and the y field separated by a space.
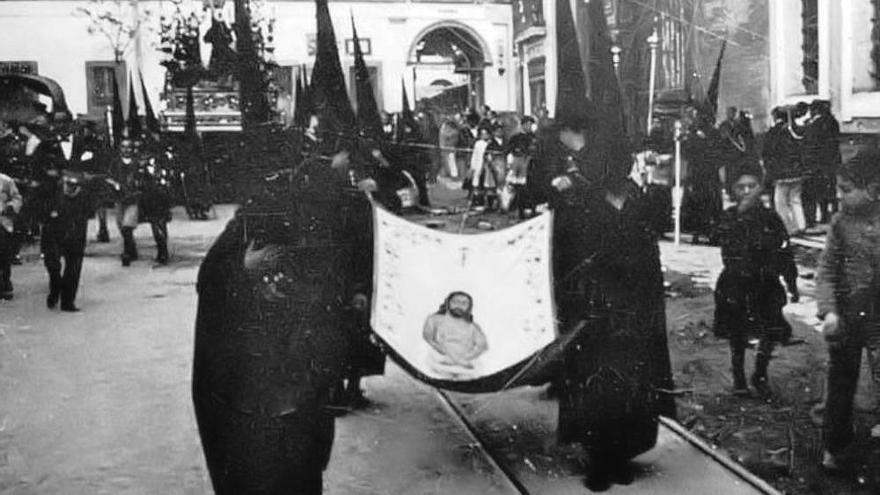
pixel 748 296
pixel 783 159
pixel 449 137
pixel 822 153
pixel 480 178
pixel 849 298
pixel 522 149
pixel 10 205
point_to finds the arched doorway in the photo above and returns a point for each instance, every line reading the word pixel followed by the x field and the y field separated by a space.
pixel 447 62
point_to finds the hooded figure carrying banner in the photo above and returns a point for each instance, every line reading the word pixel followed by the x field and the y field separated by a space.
pixel 608 279
pixel 276 293
pixel 280 291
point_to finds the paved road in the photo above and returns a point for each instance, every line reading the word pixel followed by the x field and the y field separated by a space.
pixel 98 403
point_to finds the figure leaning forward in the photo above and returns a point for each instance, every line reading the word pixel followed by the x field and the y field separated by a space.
pixel 609 288
pixel 275 291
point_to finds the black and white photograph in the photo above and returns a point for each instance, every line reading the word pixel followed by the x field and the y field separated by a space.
pixel 439 247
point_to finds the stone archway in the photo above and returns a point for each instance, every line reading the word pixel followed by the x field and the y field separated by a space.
pixel 453 51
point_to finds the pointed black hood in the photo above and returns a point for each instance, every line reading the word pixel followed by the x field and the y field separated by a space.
pixel 150 117
pixel 299 116
pixel 190 120
pixel 710 106
pixel 572 107
pixel 369 122
pixel 329 94
pixel 604 85
pixel 407 118
pixel 118 124
pixel 135 130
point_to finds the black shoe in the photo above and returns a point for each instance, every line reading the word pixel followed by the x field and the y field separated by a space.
pixel 598 475
pixel 6 296
pixel 70 308
pixel 162 260
pixel 761 385
pixel 357 400
pixel 103 237
pixel 52 300
pixel 126 261
pixel 16 260
pixel 622 473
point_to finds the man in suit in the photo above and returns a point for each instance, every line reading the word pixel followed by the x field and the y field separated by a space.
pixel 64 236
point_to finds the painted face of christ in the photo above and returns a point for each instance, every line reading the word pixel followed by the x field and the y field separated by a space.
pixel 459 305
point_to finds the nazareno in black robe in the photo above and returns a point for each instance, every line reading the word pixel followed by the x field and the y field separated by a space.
pixel 609 282
pixel 263 366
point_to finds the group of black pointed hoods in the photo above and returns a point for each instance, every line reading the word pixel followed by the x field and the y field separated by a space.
pixel 134 127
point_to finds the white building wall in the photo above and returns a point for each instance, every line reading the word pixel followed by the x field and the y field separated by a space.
pixel 845 65
pixel 54 34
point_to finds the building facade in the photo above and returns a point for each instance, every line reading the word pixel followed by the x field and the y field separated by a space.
pixel 402 41
pixel 828 49
pixel 689 37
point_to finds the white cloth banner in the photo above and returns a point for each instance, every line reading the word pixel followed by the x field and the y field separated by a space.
pixel 460 307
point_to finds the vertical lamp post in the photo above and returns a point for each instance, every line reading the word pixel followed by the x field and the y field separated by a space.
pixel 677 192
pixel 653 41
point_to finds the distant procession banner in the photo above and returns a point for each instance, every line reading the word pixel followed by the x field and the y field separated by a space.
pixel 463 308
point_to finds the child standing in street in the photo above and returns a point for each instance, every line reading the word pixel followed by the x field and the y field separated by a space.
pixel 849 297
pixel 749 297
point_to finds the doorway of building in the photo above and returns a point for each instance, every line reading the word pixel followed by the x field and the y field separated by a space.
pixel 446 64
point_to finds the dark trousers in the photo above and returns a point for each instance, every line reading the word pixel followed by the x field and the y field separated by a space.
pixel 7 251
pixel 810 199
pixel 844 363
pixel 103 233
pixel 160 235
pixel 62 283
pixel 827 197
pixel 159 229
pixel 738 344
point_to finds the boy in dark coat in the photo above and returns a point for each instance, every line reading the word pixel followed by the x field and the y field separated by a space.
pixel 748 296
pixel 849 297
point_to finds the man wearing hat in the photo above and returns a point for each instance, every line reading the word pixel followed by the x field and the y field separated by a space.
pixel 139 196
pixel 63 239
pixel 125 172
pixel 523 140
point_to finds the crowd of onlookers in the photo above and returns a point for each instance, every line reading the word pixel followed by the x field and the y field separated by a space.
pixel 55 175
pixel 801 154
